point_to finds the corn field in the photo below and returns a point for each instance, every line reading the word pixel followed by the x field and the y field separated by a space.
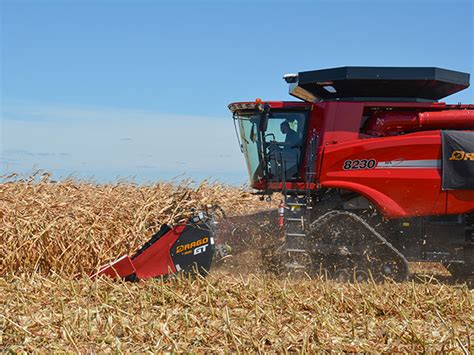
pixel 54 234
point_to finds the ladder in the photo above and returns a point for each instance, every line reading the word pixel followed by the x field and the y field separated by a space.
pixel 298 204
pixel 295 221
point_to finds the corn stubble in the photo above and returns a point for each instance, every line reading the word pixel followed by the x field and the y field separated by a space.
pixel 53 234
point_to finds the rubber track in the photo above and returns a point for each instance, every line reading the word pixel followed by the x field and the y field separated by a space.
pixel 325 218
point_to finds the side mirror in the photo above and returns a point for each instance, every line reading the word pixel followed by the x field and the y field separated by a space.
pixel 253 135
pixel 264 116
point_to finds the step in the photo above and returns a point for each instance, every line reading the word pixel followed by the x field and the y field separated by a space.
pixel 295 204
pixel 295 219
pixel 292 250
pixel 295 215
pixel 295 235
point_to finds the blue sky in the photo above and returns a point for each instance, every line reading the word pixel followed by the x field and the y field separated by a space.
pixel 111 89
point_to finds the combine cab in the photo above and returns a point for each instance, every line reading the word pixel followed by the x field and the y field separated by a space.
pixel 375 172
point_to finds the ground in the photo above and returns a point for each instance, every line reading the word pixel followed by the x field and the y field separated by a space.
pixel 225 311
pixel 54 234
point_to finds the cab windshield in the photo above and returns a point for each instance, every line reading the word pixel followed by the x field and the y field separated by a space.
pixel 274 152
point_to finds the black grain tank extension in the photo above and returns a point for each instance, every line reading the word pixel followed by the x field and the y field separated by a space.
pixel 413 84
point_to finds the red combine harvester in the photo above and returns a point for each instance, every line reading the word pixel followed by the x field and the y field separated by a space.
pixel 375 172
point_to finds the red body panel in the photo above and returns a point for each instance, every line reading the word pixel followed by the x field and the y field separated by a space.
pixel 406 180
pixel 400 185
pixel 155 261
pixel 120 268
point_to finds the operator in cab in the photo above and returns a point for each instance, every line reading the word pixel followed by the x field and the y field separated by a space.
pixel 290 150
pixel 292 140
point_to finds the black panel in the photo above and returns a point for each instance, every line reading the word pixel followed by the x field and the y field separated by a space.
pixel 458 160
pixel 434 238
pixel 402 83
pixel 194 249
